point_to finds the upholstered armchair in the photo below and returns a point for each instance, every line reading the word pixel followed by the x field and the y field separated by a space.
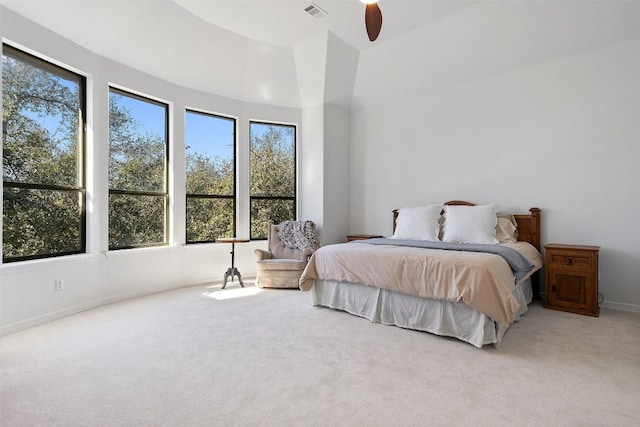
pixel 280 266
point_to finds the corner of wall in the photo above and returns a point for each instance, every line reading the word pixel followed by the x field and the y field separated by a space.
pixel 310 57
pixel 341 68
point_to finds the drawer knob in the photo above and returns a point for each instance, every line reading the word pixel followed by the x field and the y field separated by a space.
pixel 568 261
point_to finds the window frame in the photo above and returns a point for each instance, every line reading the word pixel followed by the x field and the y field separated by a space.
pixel 234 196
pixel 294 198
pixel 137 193
pixel 81 188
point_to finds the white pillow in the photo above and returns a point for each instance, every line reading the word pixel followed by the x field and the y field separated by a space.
pixel 419 223
pixel 470 224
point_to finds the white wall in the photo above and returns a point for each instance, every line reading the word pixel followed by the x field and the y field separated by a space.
pixel 561 135
pixel 311 160
pixel 335 196
pixel 27 294
pixel 326 74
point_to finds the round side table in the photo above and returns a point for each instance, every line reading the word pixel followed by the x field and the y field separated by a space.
pixel 232 271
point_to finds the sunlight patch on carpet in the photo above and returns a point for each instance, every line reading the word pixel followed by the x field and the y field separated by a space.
pixel 233 293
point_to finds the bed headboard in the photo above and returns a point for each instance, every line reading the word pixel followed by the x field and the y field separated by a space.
pixel 528 224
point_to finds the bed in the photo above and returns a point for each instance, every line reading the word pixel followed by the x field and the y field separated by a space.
pixel 435 281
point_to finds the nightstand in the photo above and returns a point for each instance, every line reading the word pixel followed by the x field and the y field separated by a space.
pixel 572 278
pixel 352 237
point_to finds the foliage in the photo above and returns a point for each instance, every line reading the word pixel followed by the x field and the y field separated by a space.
pixel 210 179
pixel 272 183
pixel 43 197
pixel 137 179
pixel 136 155
pixel 136 220
pixel 272 161
pixel 209 218
pixel 209 176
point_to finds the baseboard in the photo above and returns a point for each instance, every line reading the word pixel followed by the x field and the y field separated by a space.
pixel 635 308
pixel 44 318
pixel 132 295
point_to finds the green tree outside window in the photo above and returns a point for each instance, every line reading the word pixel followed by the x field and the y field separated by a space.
pixel 138 155
pixel 272 177
pixel 43 158
pixel 210 177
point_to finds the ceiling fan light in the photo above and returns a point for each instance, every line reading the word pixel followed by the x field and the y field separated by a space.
pixel 368 1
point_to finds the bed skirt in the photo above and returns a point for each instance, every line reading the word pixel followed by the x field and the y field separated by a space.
pixel 446 318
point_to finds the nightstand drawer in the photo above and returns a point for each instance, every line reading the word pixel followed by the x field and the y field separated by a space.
pixel 575 260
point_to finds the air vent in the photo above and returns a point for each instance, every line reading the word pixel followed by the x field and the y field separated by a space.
pixel 315 11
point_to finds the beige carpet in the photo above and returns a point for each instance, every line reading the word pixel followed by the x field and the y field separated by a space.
pixel 189 358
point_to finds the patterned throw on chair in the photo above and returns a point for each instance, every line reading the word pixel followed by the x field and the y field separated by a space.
pixel 299 235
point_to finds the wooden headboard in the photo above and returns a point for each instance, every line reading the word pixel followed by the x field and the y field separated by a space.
pixel 528 224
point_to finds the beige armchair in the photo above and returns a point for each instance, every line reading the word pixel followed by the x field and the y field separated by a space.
pixel 280 266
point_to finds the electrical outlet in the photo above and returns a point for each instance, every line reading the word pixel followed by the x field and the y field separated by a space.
pixel 59 284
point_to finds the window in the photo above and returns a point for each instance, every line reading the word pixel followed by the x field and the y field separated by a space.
pixel 43 118
pixel 273 176
pixel 210 177
pixel 138 157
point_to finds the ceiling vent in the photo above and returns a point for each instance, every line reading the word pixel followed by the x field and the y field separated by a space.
pixel 315 11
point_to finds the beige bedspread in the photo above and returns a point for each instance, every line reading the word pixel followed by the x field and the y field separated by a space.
pixel 482 281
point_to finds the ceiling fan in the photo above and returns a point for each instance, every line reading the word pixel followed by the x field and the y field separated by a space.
pixel 372 18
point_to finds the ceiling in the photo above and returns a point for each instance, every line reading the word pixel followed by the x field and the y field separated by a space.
pixel 280 22
pixel 159 37
pixel 286 23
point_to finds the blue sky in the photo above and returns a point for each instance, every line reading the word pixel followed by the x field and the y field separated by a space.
pixel 206 134
pixel 209 135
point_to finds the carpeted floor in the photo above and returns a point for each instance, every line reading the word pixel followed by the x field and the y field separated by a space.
pixel 202 356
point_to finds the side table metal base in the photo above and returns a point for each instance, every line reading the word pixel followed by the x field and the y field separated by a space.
pixel 232 271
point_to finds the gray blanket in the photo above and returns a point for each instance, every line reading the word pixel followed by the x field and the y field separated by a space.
pixel 519 264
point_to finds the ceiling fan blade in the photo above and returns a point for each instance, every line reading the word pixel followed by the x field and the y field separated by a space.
pixel 373 20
